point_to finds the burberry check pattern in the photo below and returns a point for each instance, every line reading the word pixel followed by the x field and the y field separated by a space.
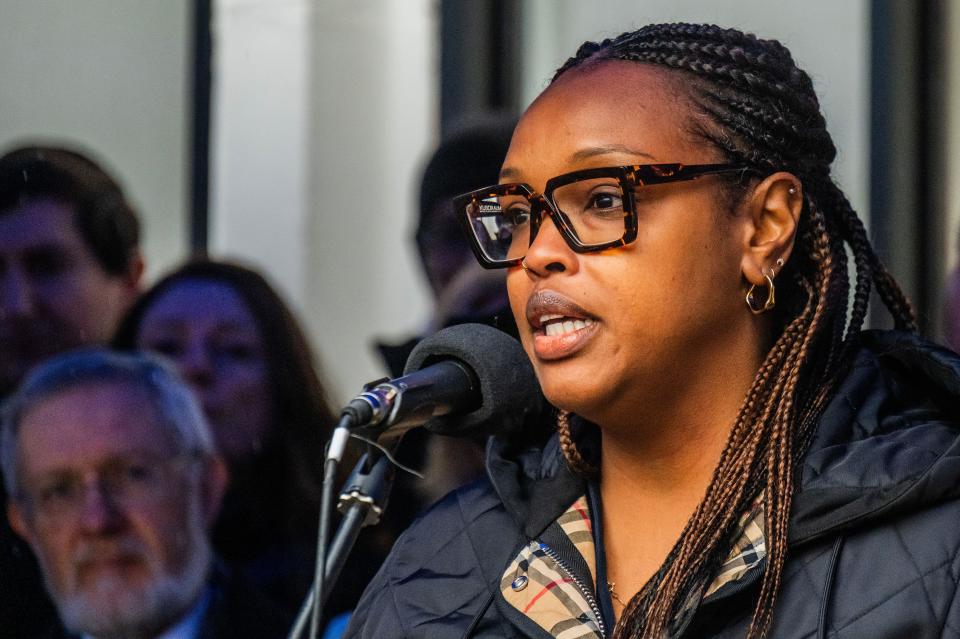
pixel 747 552
pixel 551 596
pixel 541 588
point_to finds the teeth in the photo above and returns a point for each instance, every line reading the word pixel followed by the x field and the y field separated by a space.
pixel 566 326
pixel 546 318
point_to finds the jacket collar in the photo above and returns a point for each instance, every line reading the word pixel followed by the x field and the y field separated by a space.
pixel 534 483
pixel 888 442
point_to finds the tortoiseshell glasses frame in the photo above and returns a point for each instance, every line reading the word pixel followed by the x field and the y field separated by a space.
pixel 593 209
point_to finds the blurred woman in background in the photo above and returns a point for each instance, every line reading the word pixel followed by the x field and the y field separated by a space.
pixel 240 347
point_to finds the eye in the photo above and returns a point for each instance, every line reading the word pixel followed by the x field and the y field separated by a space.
pixel 57 491
pixel 165 346
pixel 605 202
pixel 135 472
pixel 127 478
pixel 46 263
pixel 240 351
pixel 517 216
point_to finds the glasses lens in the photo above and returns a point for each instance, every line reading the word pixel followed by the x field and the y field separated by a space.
pixel 500 222
pixel 595 208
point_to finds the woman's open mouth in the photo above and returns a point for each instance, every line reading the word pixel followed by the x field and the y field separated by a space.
pixel 560 327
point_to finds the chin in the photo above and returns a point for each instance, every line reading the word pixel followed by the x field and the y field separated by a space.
pixel 114 604
pixel 573 390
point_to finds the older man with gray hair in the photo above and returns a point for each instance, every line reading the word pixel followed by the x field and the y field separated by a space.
pixel 114 482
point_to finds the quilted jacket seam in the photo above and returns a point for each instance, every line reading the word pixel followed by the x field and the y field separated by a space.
pixel 923 585
pixel 391 583
pixel 956 581
pixel 476 555
pixel 863 613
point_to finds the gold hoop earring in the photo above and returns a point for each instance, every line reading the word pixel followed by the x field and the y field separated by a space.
pixel 523 265
pixel 771 296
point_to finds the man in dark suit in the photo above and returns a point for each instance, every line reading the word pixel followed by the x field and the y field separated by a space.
pixel 114 481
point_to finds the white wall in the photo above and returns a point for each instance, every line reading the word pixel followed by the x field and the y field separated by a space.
pixel 829 39
pixel 953 134
pixel 323 115
pixel 112 77
pixel 260 142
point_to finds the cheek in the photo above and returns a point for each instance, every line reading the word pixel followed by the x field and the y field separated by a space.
pixel 63 295
pixel 52 545
pixel 244 383
pixel 519 288
pixel 248 409
pixel 54 552
pixel 164 532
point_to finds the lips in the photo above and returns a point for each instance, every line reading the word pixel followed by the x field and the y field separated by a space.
pixel 560 326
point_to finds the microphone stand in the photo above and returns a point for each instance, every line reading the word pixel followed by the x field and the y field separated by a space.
pixel 362 502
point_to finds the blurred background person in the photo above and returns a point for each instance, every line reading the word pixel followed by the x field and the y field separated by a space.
pixel 70 266
pixel 116 481
pixel 239 346
pixel 463 292
pixel 70 262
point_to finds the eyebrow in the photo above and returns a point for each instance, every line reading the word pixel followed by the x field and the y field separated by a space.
pixel 509 172
pixel 585 154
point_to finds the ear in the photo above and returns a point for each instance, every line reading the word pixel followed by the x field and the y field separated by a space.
pixel 18 520
pixel 216 478
pixel 134 275
pixel 774 209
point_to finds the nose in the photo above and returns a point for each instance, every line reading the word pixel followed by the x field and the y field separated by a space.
pixel 99 512
pixel 549 251
pixel 195 364
pixel 16 294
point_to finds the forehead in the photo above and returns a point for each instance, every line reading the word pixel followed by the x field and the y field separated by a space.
pixel 88 425
pixel 611 112
pixel 39 221
pixel 200 302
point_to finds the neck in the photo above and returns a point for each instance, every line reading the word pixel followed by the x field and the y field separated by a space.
pixel 667 436
pixel 659 456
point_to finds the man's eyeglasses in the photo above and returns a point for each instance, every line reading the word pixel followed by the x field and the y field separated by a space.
pixel 124 483
pixel 592 209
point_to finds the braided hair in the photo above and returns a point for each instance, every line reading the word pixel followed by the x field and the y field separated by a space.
pixel 760 111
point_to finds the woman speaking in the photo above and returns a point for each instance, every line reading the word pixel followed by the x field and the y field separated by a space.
pixel 733 457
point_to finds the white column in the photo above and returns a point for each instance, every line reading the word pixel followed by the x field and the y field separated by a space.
pixel 260 122
pixel 324 114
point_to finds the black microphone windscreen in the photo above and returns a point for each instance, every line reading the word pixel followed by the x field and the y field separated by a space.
pixel 508 386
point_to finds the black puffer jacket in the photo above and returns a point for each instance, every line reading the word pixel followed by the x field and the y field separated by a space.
pixel 873 543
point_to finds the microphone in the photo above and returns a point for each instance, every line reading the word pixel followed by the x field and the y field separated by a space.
pixel 464 380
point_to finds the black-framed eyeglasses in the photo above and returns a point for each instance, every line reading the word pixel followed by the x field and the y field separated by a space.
pixel 593 209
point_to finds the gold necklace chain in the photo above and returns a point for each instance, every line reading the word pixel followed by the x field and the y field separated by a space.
pixel 613 594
